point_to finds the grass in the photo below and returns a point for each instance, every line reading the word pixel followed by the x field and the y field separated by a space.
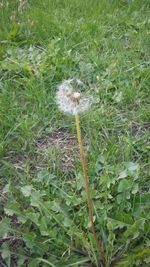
pixel 106 45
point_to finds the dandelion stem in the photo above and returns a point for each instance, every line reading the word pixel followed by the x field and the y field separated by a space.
pixel 89 200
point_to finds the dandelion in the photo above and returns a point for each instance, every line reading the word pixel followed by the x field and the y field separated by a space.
pixel 71 101
pixel 69 98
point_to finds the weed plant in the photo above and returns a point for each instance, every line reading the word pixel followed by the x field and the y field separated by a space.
pixel 44 215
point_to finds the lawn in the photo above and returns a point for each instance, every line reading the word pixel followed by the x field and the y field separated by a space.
pixel 43 211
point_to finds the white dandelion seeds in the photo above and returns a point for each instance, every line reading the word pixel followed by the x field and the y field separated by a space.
pixel 71 101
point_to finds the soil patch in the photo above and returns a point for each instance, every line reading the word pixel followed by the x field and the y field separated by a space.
pixel 65 143
pixel 139 129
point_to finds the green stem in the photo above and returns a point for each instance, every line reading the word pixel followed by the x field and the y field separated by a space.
pixel 86 179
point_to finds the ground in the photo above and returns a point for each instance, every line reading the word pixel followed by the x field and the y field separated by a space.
pixel 44 217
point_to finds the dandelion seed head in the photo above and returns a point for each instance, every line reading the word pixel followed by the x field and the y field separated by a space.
pixel 76 95
pixel 70 100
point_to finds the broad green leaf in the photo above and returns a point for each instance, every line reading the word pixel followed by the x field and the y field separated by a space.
pixel 36 198
pixel 132 166
pixel 134 230
pixel 34 217
pixel 133 169
pixel 122 174
pixel 99 163
pixel 4 226
pixel 67 222
pixel 56 206
pixel 5 251
pixel 21 260
pixel 135 188
pixel 29 238
pixel 44 176
pixel 26 190
pixel 124 185
pixel 6 188
pixel 12 208
pixel 33 263
pixel 44 226
pixel 113 224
